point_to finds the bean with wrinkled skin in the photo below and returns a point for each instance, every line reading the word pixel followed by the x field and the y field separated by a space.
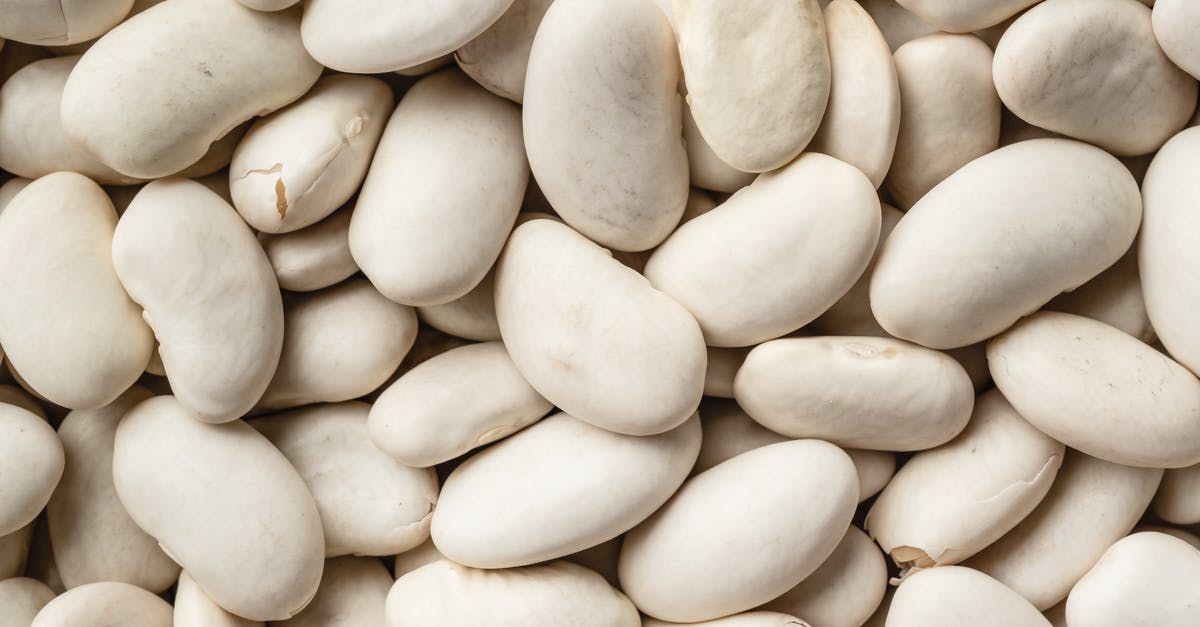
pixel 298 165
pixel 1091 504
pixel 948 503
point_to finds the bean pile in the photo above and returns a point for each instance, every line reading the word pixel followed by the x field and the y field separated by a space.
pixel 599 313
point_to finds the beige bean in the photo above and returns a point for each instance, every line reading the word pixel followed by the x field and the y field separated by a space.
pixel 314 257
pixel 555 469
pixel 369 503
pixel 952 596
pixel 208 292
pixel 298 165
pixel 92 535
pixel 874 393
pixel 229 64
pixel 728 432
pixel 105 603
pixel 471 316
pixel 268 5
pixel 862 119
pixel 339 343
pixel 1113 297
pixel 602 558
pixel 1166 255
pixel 760 101
pixel 1099 390
pixel 31 460
pixel 375 36
pixel 723 364
pixel 32 141
pixel 21 598
pixel 224 504
pixel 1178 499
pixel 845 590
pixel 1092 504
pixel 939 281
pixel 815 223
pixel 56 240
pixel 1056 68
pixel 946 504
pixel 705 169
pixel 709 551
pixel 898 25
pixel 942 129
pixel 851 315
pixel 1175 22
pixel 59 23
pixel 14 552
pixel 575 322
pixel 745 619
pixel 193 608
pixel 418 232
pixel 353 593
pixel 964 16
pixel 1145 578
pixel 614 169
pixel 14 395
pixel 875 470
pixel 497 58
pixel 551 595
pixel 434 412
